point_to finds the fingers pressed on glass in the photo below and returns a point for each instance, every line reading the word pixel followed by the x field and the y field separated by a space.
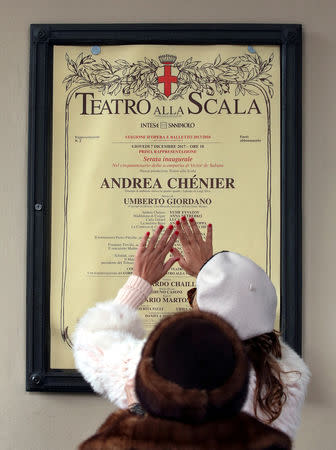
pixel 144 240
pixel 197 234
pixel 176 253
pixel 171 241
pixel 169 263
pixel 163 240
pixel 186 228
pixel 155 237
pixel 182 236
pixel 208 238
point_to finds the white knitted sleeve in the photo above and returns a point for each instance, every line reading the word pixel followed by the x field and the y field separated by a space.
pixel 108 341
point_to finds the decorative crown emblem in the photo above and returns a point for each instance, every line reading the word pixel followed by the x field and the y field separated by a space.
pixel 167 59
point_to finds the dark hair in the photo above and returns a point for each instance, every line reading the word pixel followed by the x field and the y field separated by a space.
pixel 263 351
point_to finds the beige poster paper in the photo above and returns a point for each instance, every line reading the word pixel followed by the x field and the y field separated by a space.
pixel 143 135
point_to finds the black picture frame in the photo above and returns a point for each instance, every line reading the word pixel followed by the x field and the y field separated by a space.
pixel 39 376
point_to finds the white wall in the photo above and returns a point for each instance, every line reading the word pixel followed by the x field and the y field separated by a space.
pixel 34 421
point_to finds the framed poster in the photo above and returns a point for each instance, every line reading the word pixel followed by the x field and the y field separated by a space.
pixel 132 126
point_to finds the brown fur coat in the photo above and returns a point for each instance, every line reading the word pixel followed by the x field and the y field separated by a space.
pixel 125 431
pixel 188 419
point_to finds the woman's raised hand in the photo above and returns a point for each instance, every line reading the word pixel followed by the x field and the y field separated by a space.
pixel 196 251
pixel 149 262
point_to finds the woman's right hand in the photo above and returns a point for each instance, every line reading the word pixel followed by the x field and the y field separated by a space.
pixel 196 251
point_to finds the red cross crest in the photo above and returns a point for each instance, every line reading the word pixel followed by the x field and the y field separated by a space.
pixel 167 75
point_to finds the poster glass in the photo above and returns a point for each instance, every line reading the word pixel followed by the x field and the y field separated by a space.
pixel 142 135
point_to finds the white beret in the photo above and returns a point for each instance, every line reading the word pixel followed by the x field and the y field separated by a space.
pixel 238 290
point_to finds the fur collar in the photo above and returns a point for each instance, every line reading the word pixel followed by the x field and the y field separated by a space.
pixel 123 430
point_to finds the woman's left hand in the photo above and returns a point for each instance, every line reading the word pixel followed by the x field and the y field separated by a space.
pixel 149 262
